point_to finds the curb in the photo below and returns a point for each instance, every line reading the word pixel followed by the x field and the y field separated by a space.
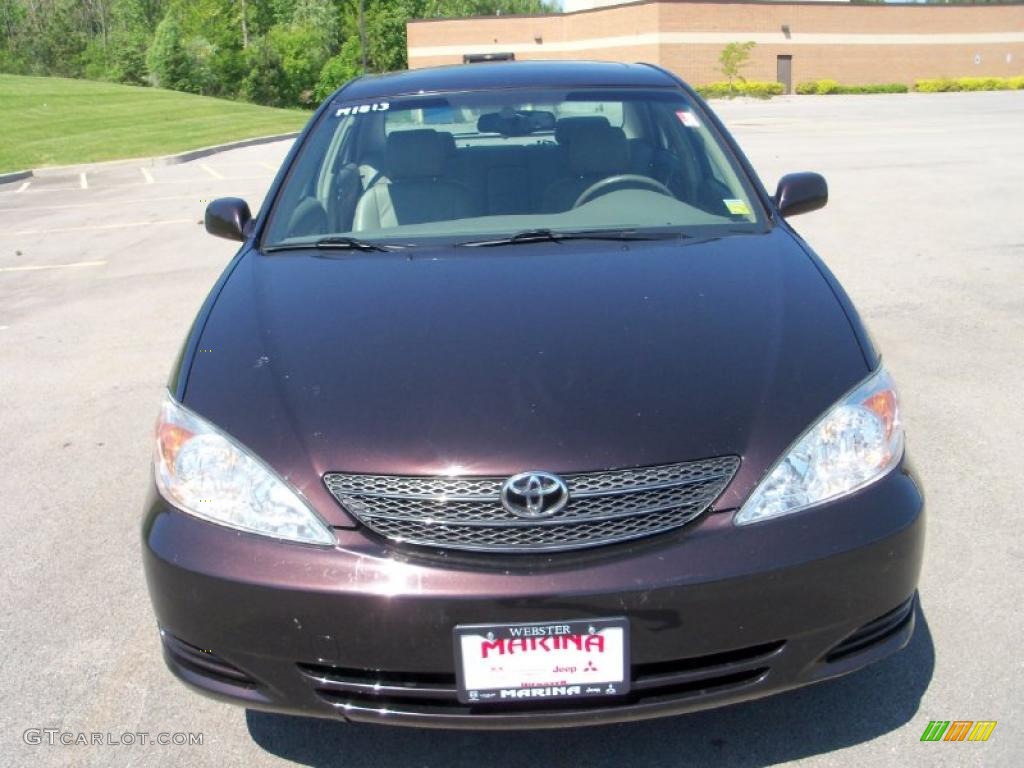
pixel 7 178
pixel 195 154
pixel 176 159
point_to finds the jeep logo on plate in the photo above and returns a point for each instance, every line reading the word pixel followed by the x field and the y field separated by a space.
pixel 534 494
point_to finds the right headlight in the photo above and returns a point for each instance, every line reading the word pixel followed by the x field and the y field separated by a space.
pixel 857 441
pixel 206 473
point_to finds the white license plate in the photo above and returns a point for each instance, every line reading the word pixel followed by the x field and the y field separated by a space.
pixel 507 663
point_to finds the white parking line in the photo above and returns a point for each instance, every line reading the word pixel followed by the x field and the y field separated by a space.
pixel 210 171
pixel 147 175
pixel 34 267
pixel 100 204
pixel 128 185
pixel 48 190
pixel 97 226
pixel 25 185
pixel 268 166
pixel 82 181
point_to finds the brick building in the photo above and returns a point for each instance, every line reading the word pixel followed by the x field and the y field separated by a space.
pixel 796 41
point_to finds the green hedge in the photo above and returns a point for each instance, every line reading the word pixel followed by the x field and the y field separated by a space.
pixel 944 84
pixel 829 87
pixel 759 89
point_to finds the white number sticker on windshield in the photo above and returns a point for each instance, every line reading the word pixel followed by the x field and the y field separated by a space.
pixel 363 109
pixel 688 119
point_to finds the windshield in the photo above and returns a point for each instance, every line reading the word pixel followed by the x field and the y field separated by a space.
pixel 492 164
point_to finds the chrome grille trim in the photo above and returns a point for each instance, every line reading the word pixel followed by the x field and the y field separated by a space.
pixel 466 513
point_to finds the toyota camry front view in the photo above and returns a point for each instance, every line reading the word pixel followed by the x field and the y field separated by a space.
pixel 522 405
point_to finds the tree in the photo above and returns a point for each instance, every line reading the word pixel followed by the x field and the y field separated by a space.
pixel 733 58
pixel 265 81
pixel 126 57
pixel 281 52
pixel 339 70
pixel 167 58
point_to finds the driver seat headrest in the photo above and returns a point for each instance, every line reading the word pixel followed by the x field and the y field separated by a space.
pixel 598 149
pixel 416 153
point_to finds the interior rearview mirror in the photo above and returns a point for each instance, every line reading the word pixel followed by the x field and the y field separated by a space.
pixel 228 217
pixel 800 193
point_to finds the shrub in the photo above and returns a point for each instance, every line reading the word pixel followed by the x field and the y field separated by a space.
pixel 827 87
pixel 985 83
pixel 758 89
pixel 936 85
pixel 882 88
pixel 945 84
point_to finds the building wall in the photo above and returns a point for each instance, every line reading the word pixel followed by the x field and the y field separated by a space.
pixel 854 44
pixel 571 6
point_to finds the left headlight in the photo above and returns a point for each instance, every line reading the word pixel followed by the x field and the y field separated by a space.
pixel 856 442
pixel 204 472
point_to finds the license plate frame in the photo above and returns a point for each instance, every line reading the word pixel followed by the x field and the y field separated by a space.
pixel 542 660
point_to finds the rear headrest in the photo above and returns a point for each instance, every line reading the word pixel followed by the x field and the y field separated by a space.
pixel 568 127
pixel 417 153
pixel 599 149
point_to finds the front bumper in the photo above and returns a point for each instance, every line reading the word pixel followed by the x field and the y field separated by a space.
pixel 718 614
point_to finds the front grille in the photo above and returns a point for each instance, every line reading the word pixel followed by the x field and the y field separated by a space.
pixel 466 512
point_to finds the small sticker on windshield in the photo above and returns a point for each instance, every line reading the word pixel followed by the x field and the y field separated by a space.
pixel 737 207
pixel 688 119
pixel 363 109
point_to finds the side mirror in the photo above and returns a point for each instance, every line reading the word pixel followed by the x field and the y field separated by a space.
pixel 800 193
pixel 228 217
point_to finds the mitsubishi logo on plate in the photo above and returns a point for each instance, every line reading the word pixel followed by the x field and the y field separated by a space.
pixel 534 494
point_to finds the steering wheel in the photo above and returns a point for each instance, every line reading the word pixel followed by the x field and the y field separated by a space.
pixel 603 186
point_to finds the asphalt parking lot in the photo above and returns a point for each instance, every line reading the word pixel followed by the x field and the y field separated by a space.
pixel 102 270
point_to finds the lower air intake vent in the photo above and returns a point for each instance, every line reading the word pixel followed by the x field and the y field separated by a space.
pixel 203 662
pixel 873 632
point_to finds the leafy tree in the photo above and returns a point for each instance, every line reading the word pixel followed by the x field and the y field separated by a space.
pixel 338 70
pixel 265 81
pixel 733 58
pixel 302 52
pixel 126 57
pixel 137 15
pixel 12 24
pixel 167 59
pixel 281 52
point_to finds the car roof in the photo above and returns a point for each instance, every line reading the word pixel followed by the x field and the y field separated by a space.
pixel 505 74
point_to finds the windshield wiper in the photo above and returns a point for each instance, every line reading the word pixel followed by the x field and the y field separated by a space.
pixel 338 243
pixel 554 236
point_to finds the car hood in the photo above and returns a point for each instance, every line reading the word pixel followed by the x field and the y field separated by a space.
pixel 565 357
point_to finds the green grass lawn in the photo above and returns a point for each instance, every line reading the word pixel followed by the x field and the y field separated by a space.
pixel 56 121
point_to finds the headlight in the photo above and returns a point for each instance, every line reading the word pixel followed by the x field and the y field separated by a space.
pixel 202 471
pixel 856 442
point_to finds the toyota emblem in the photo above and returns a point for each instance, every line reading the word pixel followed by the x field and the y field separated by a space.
pixel 534 494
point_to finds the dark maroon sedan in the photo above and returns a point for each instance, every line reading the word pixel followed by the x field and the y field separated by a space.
pixel 522 406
